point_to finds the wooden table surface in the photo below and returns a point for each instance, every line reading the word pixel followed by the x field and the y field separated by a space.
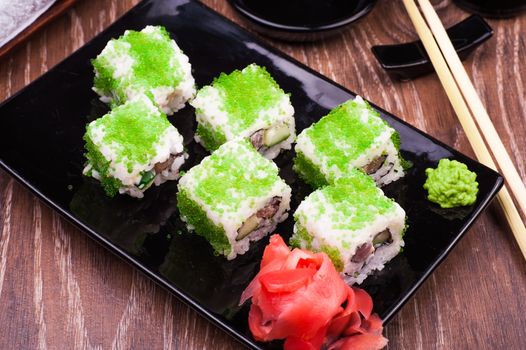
pixel 60 290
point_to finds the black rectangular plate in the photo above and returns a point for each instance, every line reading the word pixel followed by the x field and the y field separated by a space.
pixel 41 145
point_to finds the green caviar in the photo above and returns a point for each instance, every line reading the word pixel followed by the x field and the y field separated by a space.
pixel 342 135
pixel 210 138
pixel 451 184
pixel 197 217
pixel 334 255
pixel 151 55
pixel 355 201
pixel 301 238
pixel 308 171
pixel 350 204
pixel 243 108
pixel 131 131
pixel 153 63
pixel 232 175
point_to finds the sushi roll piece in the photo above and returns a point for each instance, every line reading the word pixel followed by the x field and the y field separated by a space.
pixel 354 223
pixel 232 197
pixel 351 136
pixel 246 103
pixel 146 62
pixel 133 147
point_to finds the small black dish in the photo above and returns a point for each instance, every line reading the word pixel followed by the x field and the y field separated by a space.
pixel 301 20
pixel 410 60
pixel 492 8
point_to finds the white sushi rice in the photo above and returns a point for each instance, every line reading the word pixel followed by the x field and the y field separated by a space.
pixel 325 232
pixel 232 226
pixel 170 143
pixel 231 221
pixel 391 169
pixel 169 99
pixel 285 113
pixel 210 111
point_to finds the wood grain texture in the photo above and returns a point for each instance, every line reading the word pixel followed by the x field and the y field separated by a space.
pixel 60 290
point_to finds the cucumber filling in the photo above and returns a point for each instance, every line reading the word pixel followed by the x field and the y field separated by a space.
pixel 383 237
pixel 146 179
pixel 366 249
pixel 261 220
pixel 148 176
pixel 276 134
pixel 248 226
pixel 263 139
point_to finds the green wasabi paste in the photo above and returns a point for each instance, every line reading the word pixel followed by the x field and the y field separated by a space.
pixel 451 184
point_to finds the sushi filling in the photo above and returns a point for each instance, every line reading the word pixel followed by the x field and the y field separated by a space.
pixel 162 171
pixel 162 166
pixel 385 168
pixel 261 221
pixel 146 62
pixel 375 164
pixel 264 139
pixel 366 250
pixel 382 169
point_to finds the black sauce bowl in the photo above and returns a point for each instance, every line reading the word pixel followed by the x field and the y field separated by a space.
pixel 321 18
pixel 493 8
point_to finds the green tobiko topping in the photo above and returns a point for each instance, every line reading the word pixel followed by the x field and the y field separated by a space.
pixel 210 138
pixel 101 165
pixel 350 203
pixel 355 201
pixel 343 135
pixel 133 129
pixel 232 174
pixel 335 256
pixel 153 63
pixel 246 93
pixel 451 184
pixel 308 171
pixel 203 226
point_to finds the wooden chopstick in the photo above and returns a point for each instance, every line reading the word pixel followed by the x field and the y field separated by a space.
pixel 466 119
pixel 471 97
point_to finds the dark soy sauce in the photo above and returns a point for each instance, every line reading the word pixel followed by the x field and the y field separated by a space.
pixel 305 13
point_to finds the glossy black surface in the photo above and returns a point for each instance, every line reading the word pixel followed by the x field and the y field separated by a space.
pixel 410 60
pixel 41 145
pixel 301 20
pixel 494 8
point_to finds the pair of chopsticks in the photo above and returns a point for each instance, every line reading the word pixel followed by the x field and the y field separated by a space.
pixel 470 111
